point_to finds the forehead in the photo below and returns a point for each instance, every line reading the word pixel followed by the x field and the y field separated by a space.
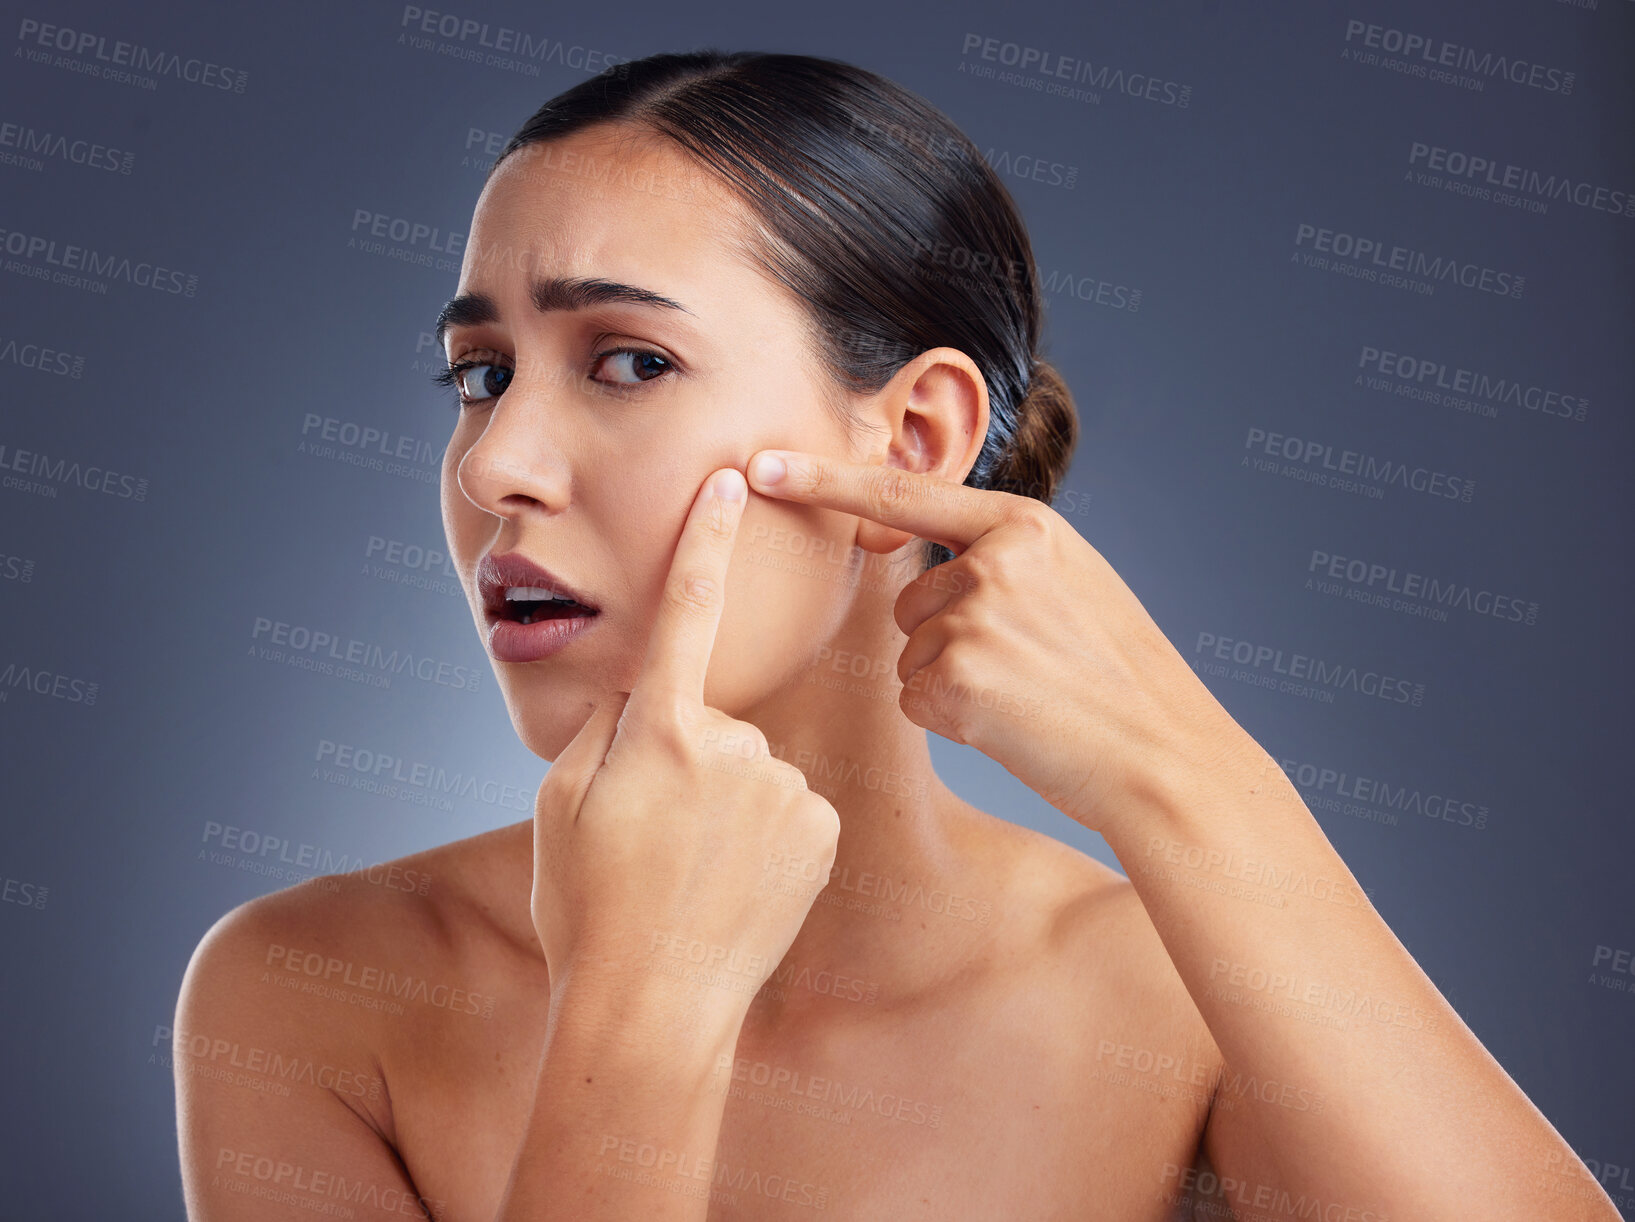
pixel 609 203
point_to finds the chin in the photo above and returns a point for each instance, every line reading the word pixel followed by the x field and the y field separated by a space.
pixel 546 737
pixel 547 716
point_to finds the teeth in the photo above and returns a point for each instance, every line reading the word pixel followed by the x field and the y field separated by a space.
pixel 534 594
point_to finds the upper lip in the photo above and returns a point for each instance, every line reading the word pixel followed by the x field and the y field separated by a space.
pixel 496 573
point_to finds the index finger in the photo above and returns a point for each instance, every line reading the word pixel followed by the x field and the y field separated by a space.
pixel 940 510
pixel 683 635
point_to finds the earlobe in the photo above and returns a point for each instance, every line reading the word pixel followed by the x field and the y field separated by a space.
pixel 908 454
pixel 873 537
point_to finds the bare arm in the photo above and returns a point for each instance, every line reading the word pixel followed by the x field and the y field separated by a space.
pixel 654 824
pixel 275 1118
pixel 283 1112
pixel 1349 1081
pixel 1028 646
pixel 624 1122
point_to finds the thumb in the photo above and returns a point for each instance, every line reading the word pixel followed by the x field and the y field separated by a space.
pixel 579 762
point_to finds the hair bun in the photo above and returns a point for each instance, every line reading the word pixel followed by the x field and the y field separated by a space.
pixel 1046 434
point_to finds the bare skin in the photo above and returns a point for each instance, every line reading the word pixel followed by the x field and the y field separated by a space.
pixel 394 1040
pixel 955 1027
pixel 1003 1044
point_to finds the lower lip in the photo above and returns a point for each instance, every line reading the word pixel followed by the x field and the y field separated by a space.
pixel 512 641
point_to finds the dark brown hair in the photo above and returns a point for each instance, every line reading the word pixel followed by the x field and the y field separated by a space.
pixel 876 212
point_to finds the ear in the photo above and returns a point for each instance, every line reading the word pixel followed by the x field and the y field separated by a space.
pixel 935 417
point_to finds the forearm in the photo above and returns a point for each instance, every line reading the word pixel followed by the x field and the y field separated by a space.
pixel 625 1121
pixel 1363 1081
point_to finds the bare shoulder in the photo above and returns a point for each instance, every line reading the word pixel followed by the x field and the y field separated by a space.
pixel 416 902
pixel 301 1010
pixel 322 973
pixel 1102 944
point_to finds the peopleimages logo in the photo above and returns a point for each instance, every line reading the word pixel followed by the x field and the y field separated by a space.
pixel 1439 60
pixel 68 259
pixel 1396 799
pixel 467 38
pixel 23 677
pixel 309 649
pixel 1053 68
pixel 1320 462
pixel 1436 381
pixel 1369 577
pixel 1504 183
pixel 63 471
pixel 1338 676
pixel 110 59
pixel 38 356
pixel 32 145
pixel 1375 254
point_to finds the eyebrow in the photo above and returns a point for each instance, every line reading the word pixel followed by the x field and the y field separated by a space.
pixel 552 293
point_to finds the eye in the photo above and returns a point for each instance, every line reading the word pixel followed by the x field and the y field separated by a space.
pixel 645 366
pixel 491 382
pixel 478 380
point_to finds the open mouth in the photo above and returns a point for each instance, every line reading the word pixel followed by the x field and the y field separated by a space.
pixel 527 604
pixel 531 612
pixel 514 589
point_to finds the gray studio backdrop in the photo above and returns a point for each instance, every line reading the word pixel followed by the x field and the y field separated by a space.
pixel 1344 292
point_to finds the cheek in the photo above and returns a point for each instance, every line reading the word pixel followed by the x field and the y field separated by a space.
pixel 792 580
pixel 792 546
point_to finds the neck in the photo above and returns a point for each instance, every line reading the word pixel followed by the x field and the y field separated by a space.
pixel 904 905
pixel 918 882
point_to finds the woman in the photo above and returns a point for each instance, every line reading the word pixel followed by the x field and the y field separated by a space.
pixel 751 958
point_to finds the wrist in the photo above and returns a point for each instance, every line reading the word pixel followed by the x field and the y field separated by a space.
pixel 1209 781
pixel 642 1005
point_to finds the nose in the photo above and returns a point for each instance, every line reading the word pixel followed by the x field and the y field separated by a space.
pixel 514 464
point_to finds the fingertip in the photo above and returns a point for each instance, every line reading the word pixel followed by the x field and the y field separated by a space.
pixel 729 484
pixel 768 468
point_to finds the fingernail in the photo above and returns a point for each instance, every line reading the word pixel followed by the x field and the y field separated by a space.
pixel 768 468
pixel 728 485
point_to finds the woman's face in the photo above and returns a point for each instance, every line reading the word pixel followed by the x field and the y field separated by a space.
pixel 586 462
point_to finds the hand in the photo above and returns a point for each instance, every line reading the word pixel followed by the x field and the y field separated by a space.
pixel 655 828
pixel 1027 645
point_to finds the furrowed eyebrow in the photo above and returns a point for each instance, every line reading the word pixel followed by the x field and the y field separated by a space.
pixel 554 293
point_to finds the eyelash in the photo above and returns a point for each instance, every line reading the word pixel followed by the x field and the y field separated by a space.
pixel 449 377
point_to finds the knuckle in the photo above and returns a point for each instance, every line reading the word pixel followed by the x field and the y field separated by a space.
pixel 674 745
pixel 784 775
pixel 715 522
pixel 730 737
pixel 905 610
pixel 692 594
pixel 957 655
pixel 996 567
pixel 893 497
pixel 821 818
pixel 967 572
pixel 555 782
pixel 1031 516
pixel 819 479
pixel 663 725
